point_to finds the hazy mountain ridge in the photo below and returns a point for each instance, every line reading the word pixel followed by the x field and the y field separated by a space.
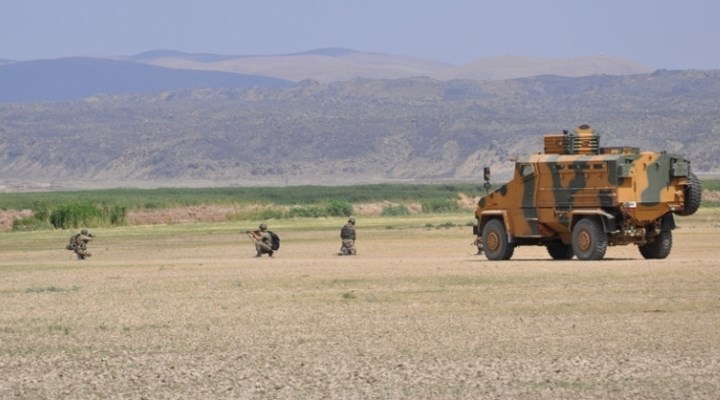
pixel 511 67
pixel 323 65
pixel 348 132
pixel 78 77
pixel 336 64
pixel 160 70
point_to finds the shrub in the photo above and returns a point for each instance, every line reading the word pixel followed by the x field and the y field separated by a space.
pixel 269 213
pixel 709 203
pixel 446 225
pixel 395 210
pixel 41 211
pixel 71 215
pixel 438 206
pixel 307 212
pixel 152 205
pixel 339 208
pixel 115 215
pixel 74 215
pixel 30 224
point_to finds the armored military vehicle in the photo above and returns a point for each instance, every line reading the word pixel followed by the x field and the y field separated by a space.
pixel 577 198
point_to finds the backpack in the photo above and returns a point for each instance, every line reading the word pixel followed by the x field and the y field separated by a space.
pixel 275 242
pixel 346 232
pixel 73 243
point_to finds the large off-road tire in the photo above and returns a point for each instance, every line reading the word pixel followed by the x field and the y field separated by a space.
pixel 589 241
pixel 693 196
pixel 560 251
pixel 495 241
pixel 658 248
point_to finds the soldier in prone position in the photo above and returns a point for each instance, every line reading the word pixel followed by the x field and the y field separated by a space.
pixel 347 235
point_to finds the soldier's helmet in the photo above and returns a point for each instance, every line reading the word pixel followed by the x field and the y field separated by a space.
pixel 263 227
pixel 84 232
pixel 352 220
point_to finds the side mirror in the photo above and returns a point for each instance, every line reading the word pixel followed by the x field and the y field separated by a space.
pixel 486 178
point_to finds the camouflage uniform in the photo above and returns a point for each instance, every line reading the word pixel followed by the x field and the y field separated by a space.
pixel 78 244
pixel 263 241
pixel 347 235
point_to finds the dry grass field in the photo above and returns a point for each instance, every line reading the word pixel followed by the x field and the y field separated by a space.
pixel 186 312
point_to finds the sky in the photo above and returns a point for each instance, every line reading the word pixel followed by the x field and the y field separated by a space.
pixel 664 34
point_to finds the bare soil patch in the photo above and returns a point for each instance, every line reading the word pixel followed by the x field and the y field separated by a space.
pixel 180 215
pixel 218 213
pixel 8 217
pixel 191 314
pixel 711 195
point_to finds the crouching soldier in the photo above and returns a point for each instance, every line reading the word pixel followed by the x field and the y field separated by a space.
pixel 347 235
pixel 265 241
pixel 78 244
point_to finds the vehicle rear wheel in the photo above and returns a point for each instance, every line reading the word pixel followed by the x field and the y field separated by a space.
pixel 495 241
pixel 658 248
pixel 589 241
pixel 693 196
pixel 560 251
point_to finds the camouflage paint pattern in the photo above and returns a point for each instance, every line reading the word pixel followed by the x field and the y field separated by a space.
pixel 628 190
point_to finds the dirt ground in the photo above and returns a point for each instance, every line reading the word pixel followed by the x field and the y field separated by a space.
pixel 186 313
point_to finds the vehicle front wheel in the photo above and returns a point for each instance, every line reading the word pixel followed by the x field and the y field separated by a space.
pixel 658 248
pixel 495 241
pixel 589 241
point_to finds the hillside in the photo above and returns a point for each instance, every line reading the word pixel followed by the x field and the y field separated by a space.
pixel 154 71
pixel 330 65
pixel 511 67
pixel 78 77
pixel 323 65
pixel 349 132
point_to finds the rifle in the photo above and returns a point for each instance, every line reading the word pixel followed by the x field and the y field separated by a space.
pixel 254 235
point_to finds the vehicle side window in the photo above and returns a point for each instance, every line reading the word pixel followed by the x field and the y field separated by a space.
pixel 526 170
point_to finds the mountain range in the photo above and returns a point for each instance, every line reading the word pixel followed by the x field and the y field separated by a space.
pixel 168 70
pixel 361 130
pixel 337 64
pixel 78 77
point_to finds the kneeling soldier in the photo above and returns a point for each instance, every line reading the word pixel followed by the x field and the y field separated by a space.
pixel 263 241
pixel 78 244
pixel 347 235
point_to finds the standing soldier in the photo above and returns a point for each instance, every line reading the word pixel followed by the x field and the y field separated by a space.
pixel 263 241
pixel 347 235
pixel 78 244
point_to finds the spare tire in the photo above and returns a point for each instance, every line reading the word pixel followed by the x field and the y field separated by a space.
pixel 693 196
